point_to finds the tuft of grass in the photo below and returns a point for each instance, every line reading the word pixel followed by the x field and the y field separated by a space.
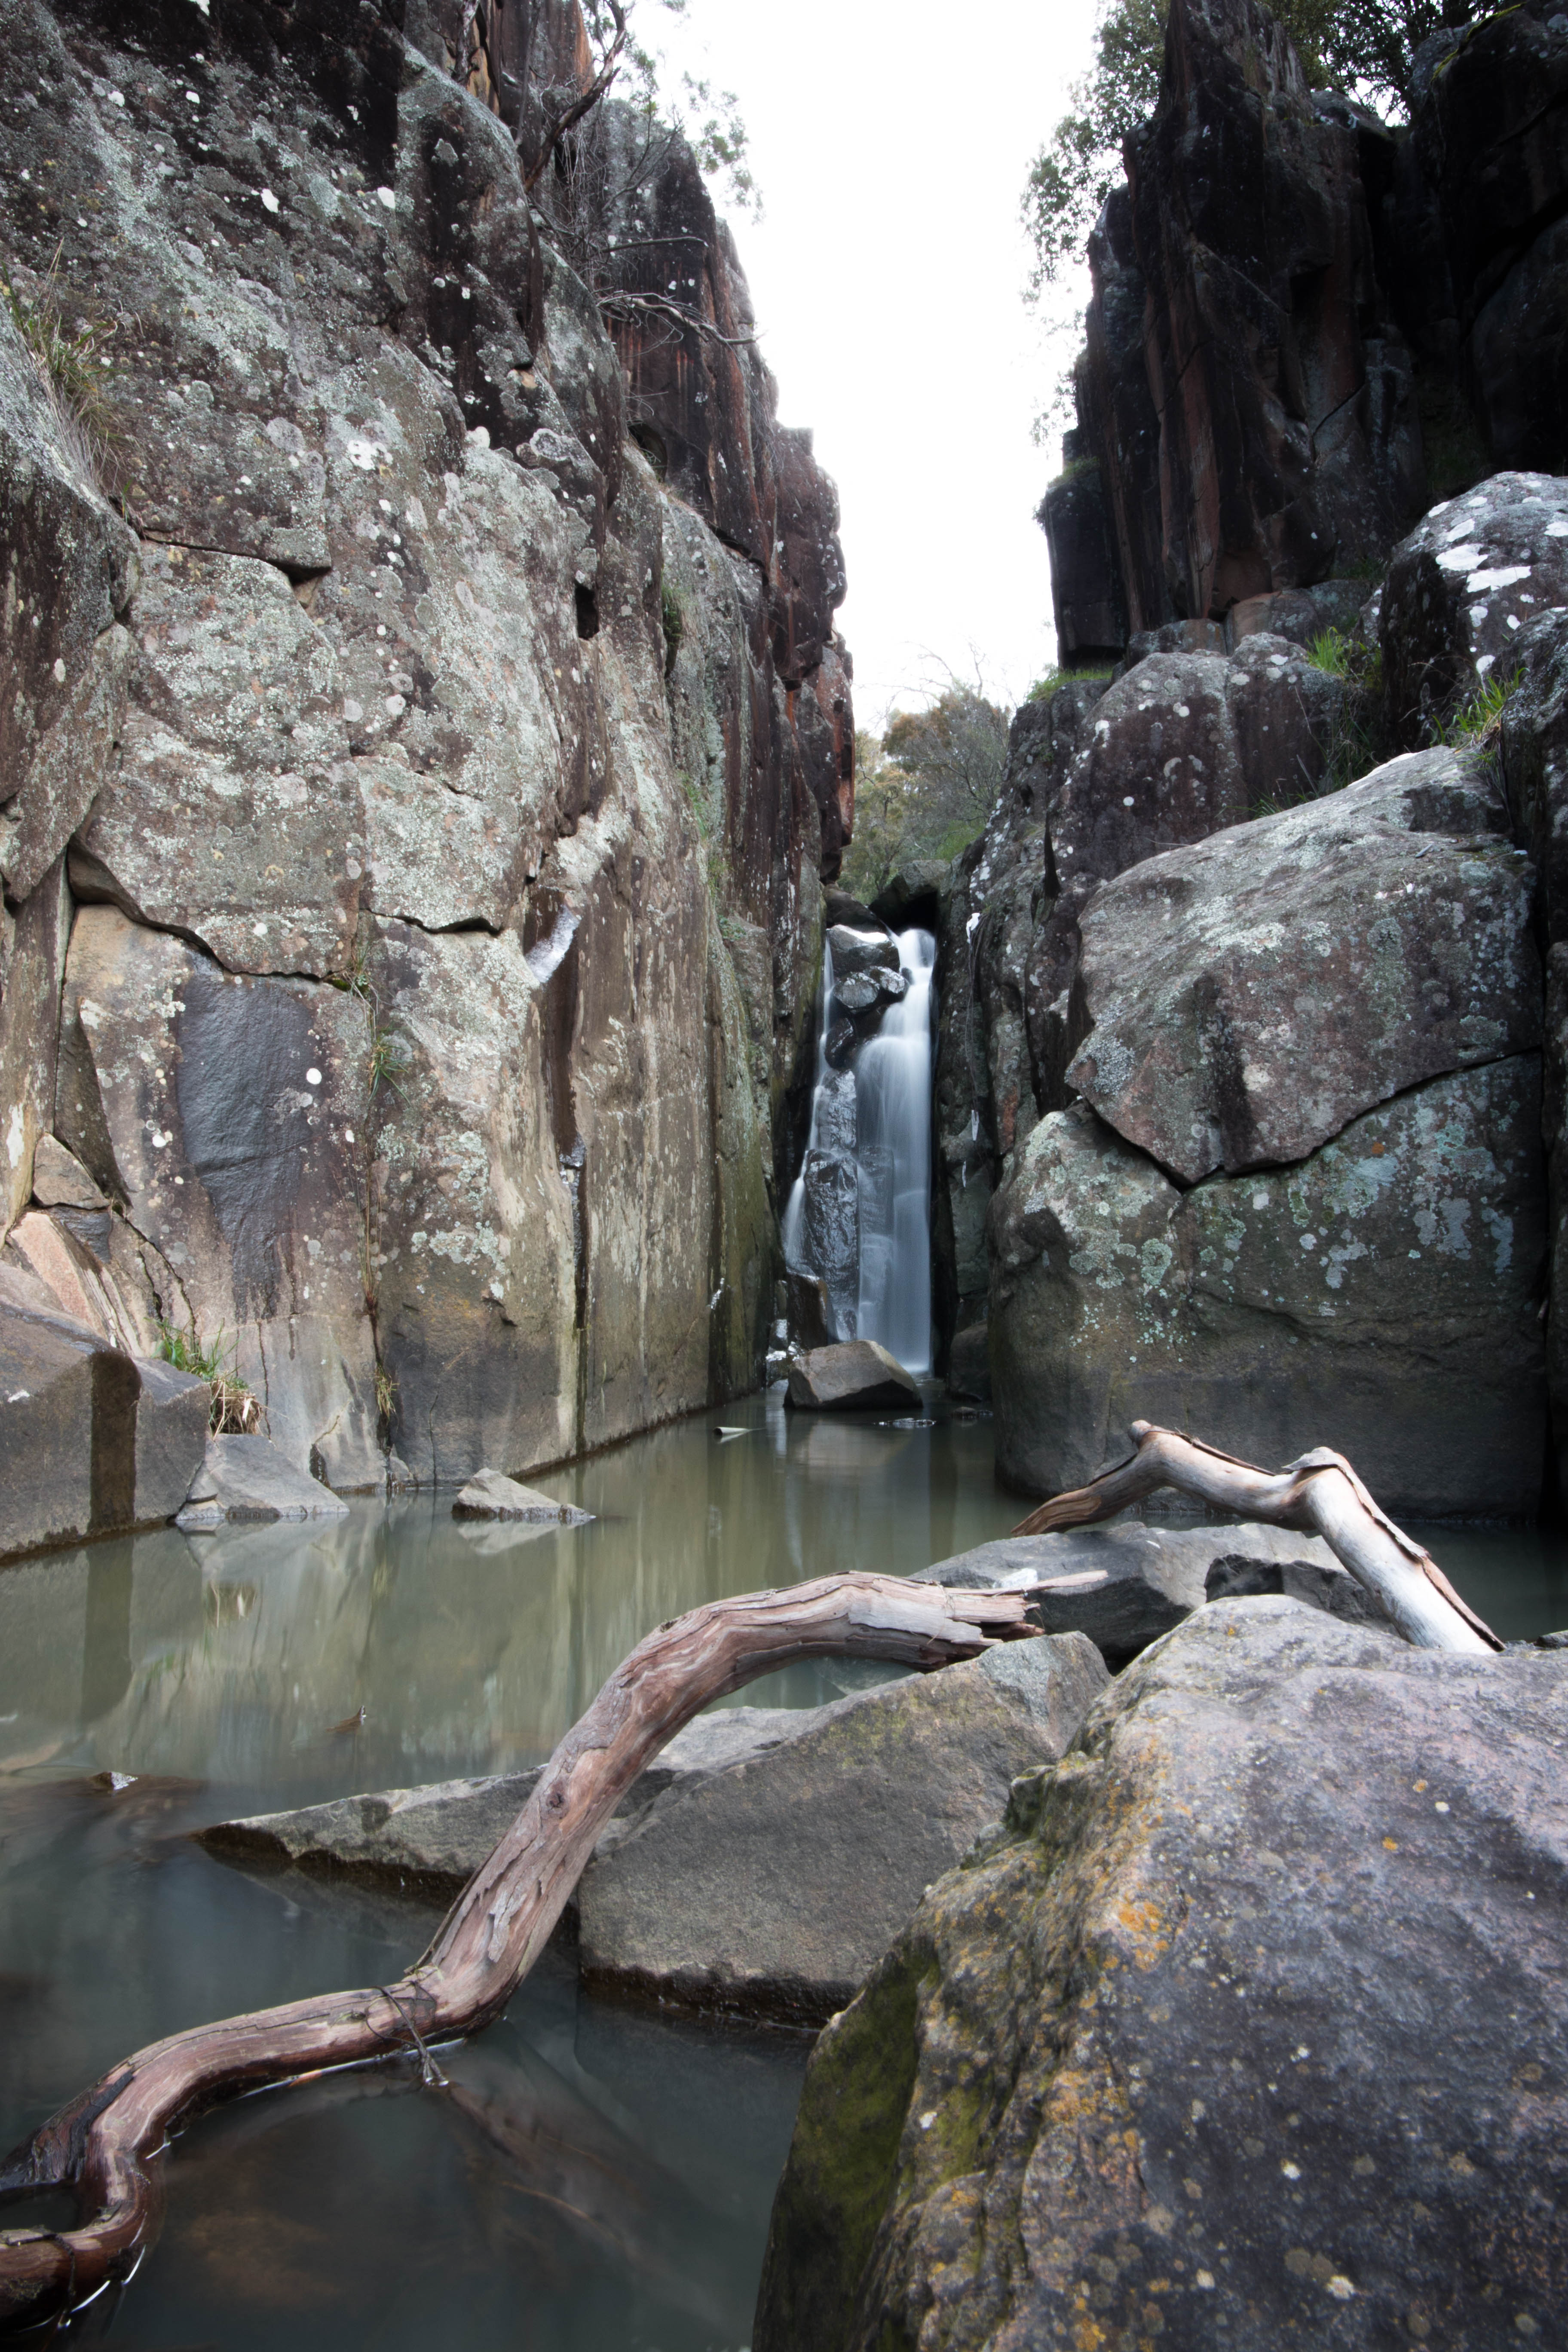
pixel 69 363
pixel 1332 651
pixel 385 1393
pixel 235 1409
pixel 1473 726
pixel 1055 679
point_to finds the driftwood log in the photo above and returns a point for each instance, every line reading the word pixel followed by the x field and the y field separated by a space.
pixel 1320 1494
pixel 106 2143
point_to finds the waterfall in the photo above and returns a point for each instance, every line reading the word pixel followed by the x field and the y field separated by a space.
pixel 860 1213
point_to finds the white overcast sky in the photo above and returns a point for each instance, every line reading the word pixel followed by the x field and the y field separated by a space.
pixel 891 151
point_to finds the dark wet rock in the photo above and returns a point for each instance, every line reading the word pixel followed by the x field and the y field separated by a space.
pixel 248 1478
pixel 1086 577
pixel 857 1373
pixel 1383 1296
pixel 910 895
pixel 830 1214
pixel 1489 142
pixel 1300 614
pixel 491 1495
pixel 870 949
pixel 1125 1586
pixel 1460 591
pixel 807 1309
pixel 1251 994
pixel 858 994
pixel 774 1883
pixel 968 1364
pixel 1247 2027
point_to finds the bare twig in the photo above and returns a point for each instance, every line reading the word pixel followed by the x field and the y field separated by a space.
pixel 106 2143
pixel 1320 1493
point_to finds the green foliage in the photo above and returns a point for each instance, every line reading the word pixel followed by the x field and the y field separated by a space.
pixel 235 1409
pixel 1474 724
pixel 925 789
pixel 68 361
pixel 1365 47
pixel 1332 651
pixel 1055 679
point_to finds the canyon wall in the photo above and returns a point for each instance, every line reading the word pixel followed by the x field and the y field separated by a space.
pixel 1242 1118
pixel 423 734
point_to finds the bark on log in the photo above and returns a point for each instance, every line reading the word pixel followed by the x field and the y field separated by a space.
pixel 1320 1494
pixel 105 2145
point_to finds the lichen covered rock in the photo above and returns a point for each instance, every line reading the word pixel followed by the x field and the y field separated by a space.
pixel 1245 2026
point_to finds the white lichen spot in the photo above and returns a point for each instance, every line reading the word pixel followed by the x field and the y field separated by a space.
pixel 16 1136
pixel 268 201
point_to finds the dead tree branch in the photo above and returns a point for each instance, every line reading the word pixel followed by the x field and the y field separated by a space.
pixel 561 118
pixel 106 2143
pixel 1319 1494
pixel 662 307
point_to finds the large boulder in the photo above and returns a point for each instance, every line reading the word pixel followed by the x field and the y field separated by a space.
pixel 857 1373
pixel 1125 1585
pixel 67 1429
pixel 245 1478
pixel 1381 1297
pixel 774 1884
pixel 1460 591
pixel 1246 2028
pixel 493 1495
pixel 1253 993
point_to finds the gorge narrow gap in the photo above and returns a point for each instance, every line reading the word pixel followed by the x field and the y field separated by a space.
pixel 858 1214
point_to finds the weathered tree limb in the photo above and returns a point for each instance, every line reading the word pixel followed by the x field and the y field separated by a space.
pixel 1320 1493
pixel 105 2143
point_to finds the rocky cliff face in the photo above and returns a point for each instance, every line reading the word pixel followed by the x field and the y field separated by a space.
pixel 424 730
pixel 1305 324
pixel 1240 1101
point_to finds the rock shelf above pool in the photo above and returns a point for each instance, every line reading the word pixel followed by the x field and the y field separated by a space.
pixel 764 1861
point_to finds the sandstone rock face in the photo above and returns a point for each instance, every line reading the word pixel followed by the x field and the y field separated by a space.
pixel 1125 1586
pixel 1247 2025
pixel 1381 1297
pixel 1250 995
pixel 856 1373
pixel 410 1023
pixel 1246 231
pixel 1462 587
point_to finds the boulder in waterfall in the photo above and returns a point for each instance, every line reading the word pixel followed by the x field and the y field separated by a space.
pixel 1125 1585
pixel 871 951
pixel 1460 589
pixel 855 1373
pixel 1246 2028
pixel 1251 994
pixel 808 1311
pixel 830 1229
pixel 250 1478
pixel 490 1495
pixel 858 994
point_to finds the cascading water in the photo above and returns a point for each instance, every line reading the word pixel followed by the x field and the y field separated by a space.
pixel 860 1213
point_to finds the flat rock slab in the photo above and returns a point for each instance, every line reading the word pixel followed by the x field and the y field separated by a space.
pixel 855 1373
pixel 1251 2024
pixel 490 1495
pixel 250 1478
pixel 1127 1584
pixel 763 1861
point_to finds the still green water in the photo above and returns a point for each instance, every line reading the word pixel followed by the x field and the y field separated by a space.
pixel 601 2180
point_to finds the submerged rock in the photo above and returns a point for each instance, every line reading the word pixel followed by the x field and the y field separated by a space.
pixel 250 1478
pixel 855 1372
pixel 1246 2028
pixel 491 1495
